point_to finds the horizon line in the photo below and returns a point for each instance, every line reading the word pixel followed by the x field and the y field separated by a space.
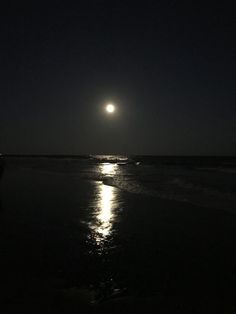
pixel 59 155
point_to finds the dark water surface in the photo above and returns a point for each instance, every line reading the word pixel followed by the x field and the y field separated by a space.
pixel 153 234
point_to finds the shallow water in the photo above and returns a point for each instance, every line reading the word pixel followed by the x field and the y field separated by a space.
pixel 119 229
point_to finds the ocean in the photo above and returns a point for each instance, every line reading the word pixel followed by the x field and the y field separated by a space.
pixel 149 233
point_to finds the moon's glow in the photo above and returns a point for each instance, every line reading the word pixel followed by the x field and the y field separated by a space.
pixel 110 108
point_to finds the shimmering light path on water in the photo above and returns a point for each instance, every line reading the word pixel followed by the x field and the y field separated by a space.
pixel 104 206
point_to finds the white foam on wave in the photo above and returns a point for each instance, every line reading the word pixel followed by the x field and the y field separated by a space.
pixel 177 189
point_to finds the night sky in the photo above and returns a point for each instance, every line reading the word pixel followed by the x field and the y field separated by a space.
pixel 168 66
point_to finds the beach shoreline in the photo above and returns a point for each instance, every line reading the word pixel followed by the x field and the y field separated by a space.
pixel 161 255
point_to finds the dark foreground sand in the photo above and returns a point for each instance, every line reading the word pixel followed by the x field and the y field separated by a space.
pixel 165 257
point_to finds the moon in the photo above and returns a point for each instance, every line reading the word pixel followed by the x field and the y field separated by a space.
pixel 110 108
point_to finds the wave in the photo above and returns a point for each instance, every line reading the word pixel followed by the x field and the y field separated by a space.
pixel 176 189
pixel 215 189
pixel 110 158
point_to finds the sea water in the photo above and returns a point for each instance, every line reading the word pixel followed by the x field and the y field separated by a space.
pixel 117 224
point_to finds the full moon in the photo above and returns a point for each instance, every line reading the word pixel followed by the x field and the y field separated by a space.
pixel 110 108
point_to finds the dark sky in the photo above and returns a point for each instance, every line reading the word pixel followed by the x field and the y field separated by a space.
pixel 169 66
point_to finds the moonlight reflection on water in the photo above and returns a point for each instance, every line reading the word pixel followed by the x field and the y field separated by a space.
pixel 104 206
pixel 105 215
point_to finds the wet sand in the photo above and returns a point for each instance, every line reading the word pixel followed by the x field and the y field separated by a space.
pixel 163 256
